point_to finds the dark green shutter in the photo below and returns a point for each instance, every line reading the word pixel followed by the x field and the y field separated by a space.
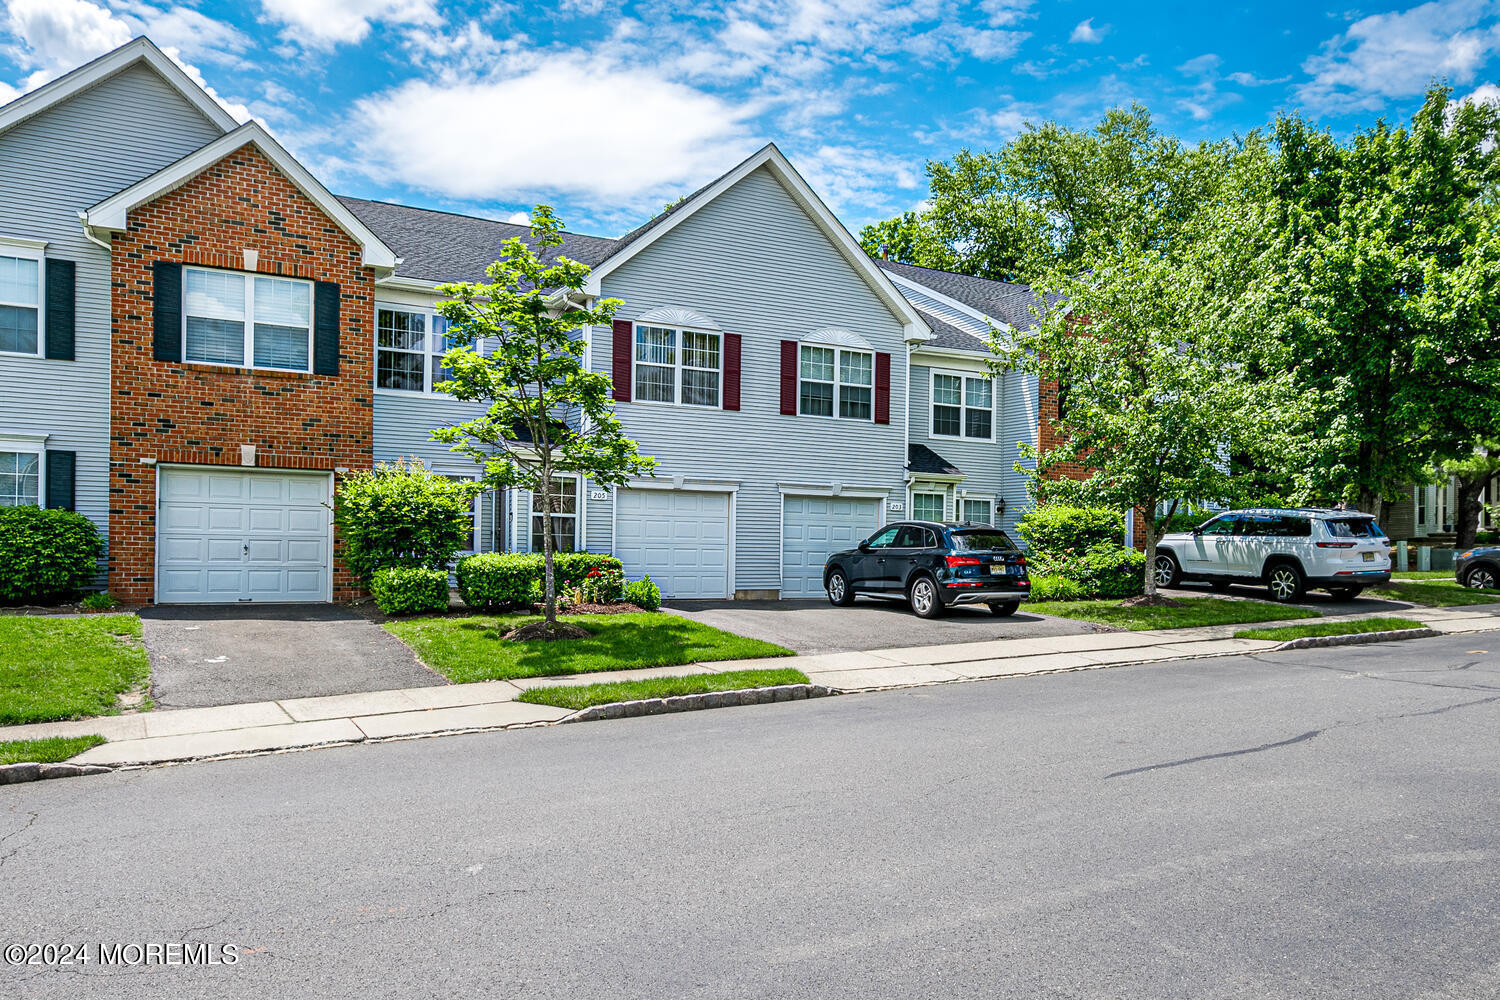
pixel 59 309
pixel 326 328
pixel 61 466
pixel 166 311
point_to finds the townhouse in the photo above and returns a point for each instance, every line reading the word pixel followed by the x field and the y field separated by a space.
pixel 197 339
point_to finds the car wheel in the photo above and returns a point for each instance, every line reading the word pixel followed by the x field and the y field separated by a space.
pixel 1219 586
pixel 1005 608
pixel 1345 593
pixel 840 593
pixel 922 594
pixel 1166 571
pixel 1285 583
pixel 1481 577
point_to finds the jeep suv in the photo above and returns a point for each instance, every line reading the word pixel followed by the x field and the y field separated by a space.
pixel 932 566
pixel 1290 550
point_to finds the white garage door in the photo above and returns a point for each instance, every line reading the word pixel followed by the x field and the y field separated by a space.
pixel 811 528
pixel 679 537
pixel 225 536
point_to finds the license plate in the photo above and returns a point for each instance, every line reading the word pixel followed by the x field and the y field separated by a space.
pixel 999 569
pixel 1369 557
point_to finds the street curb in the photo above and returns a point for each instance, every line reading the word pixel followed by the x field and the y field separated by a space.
pixel 698 702
pixel 1356 639
pixel 14 774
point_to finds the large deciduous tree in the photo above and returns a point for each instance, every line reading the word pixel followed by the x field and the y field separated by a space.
pixel 547 414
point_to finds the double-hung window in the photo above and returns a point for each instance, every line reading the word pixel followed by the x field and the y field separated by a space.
pixel 245 320
pixel 677 366
pixel 409 348
pixel 564 516
pixel 962 406
pixel 927 506
pixel 20 479
pixel 20 301
pixel 833 380
pixel 978 511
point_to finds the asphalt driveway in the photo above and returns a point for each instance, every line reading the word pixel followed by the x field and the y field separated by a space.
pixel 815 626
pixel 227 654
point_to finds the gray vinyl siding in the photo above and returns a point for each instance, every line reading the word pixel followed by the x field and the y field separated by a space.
pixel 65 159
pixel 403 429
pixel 759 266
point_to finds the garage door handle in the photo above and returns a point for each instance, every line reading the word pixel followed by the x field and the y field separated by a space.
pixel 247 549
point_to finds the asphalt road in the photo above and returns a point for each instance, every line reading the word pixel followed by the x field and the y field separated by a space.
pixel 1318 824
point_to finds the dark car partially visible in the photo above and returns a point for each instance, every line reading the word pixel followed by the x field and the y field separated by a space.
pixel 932 566
pixel 1479 568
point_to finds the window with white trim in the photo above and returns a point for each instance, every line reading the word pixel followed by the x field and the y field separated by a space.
pixel 836 380
pixel 978 511
pixel 962 406
pixel 927 506
pixel 564 516
pixel 249 321
pixel 20 301
pixel 20 479
pixel 681 366
pixel 409 346
pixel 471 538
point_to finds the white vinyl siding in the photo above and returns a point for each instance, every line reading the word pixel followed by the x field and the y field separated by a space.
pixel 229 316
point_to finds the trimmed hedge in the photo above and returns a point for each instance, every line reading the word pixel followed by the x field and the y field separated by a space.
pixel 514 579
pixel 1106 570
pixel 644 593
pixel 409 590
pixel 46 554
pixel 402 514
pixel 1052 530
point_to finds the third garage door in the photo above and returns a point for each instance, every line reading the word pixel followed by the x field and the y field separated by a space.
pixel 811 528
pixel 680 537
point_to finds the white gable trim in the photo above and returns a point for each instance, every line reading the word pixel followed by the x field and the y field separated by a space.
pixel 902 281
pixel 772 158
pixel 138 50
pixel 112 214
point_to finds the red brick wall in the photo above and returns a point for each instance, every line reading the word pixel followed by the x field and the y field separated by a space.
pixel 202 414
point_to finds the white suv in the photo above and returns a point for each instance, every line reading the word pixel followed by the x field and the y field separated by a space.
pixel 1287 549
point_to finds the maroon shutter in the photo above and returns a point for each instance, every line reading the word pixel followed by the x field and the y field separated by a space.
pixel 882 388
pixel 620 359
pixel 731 371
pixel 789 378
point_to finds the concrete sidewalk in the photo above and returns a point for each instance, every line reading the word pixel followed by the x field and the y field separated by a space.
pixel 257 727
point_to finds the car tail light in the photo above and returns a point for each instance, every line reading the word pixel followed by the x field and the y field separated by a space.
pixel 961 561
pixel 1335 545
pixel 1020 560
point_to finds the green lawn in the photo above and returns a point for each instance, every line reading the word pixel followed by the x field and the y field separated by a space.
pixel 48 751
pixel 1422 574
pixel 67 668
pixel 471 649
pixel 1354 627
pixel 1434 593
pixel 659 687
pixel 1194 611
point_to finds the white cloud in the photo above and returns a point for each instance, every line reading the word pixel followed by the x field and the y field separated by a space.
pixel 325 23
pixel 514 136
pixel 1242 79
pixel 1486 94
pixel 1085 33
pixel 1395 55
pixel 519 219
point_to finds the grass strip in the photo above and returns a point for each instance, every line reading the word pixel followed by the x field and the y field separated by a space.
pixel 46 751
pixel 55 668
pixel 1357 626
pixel 1194 611
pixel 584 695
pixel 1434 593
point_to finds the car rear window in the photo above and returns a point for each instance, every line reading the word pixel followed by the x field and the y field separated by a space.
pixel 1354 527
pixel 988 540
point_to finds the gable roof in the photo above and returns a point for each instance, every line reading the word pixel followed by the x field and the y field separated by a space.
pixel 136 51
pixel 924 461
pixel 1001 301
pixel 443 246
pixel 771 158
pixel 949 337
pixel 112 213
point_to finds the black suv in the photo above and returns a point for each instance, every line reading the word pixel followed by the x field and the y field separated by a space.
pixel 932 566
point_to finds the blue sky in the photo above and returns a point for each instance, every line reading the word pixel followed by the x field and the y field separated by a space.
pixel 608 110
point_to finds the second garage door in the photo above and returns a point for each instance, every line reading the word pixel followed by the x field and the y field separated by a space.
pixel 679 537
pixel 811 528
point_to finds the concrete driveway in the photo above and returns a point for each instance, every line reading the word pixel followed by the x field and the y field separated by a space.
pixel 815 626
pixel 227 654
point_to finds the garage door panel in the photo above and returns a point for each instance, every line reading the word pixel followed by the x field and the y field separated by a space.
pixel 212 550
pixel 222 518
pixel 679 537
pixel 814 527
pixel 308 520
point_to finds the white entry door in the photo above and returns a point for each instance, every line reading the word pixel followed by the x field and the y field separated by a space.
pixel 226 536
pixel 680 537
pixel 813 527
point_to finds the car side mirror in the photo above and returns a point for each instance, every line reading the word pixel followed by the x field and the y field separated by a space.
pixel 1197 531
pixel 864 546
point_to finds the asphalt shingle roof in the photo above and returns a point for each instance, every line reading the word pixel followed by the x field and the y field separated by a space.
pixel 1009 303
pixel 920 458
pixel 946 335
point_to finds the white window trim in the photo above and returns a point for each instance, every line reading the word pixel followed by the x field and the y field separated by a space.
pixel 25 249
pixel 31 444
pixel 248 360
pixel 427 353
pixel 838 396
pixel 963 404
pixel 911 500
pixel 677 366
pixel 580 544
pixel 984 498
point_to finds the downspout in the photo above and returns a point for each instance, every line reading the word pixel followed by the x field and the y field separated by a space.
pixel 88 233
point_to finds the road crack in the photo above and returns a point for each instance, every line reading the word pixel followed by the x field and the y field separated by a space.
pixel 1311 734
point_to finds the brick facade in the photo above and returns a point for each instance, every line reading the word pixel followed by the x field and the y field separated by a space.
pixel 201 414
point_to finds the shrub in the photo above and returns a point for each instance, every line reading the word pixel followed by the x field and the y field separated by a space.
pixel 402 514
pixel 1106 570
pixel 644 594
pixel 1188 518
pixel 1051 587
pixel 46 554
pixel 102 600
pixel 604 586
pixel 1052 530
pixel 514 579
pixel 407 590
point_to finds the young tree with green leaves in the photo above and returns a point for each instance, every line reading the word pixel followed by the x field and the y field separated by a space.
pixel 546 413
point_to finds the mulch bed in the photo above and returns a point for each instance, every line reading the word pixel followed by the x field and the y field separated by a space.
pixel 623 608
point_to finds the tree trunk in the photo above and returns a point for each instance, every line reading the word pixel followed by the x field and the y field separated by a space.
pixel 549 581
pixel 1466 508
pixel 1153 536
